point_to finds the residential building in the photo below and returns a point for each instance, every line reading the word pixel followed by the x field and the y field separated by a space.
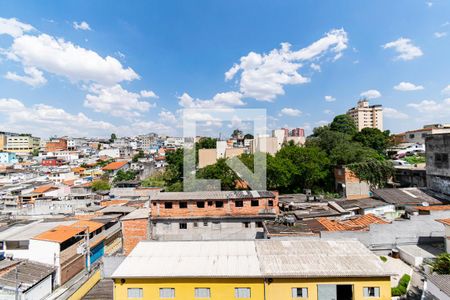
pixel 112 152
pixel 114 167
pixel 349 185
pixel 300 132
pixel 265 144
pixel 8 158
pixel 437 287
pixel 438 163
pixel 418 136
pixel 4 139
pixel 446 223
pixel 22 144
pixel 135 228
pixel 211 215
pixel 257 269
pixel 56 145
pixel 366 115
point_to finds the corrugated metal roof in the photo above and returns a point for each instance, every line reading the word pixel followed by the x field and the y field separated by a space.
pixel 251 259
pixel 442 282
pixel 212 195
pixel 21 232
pixel 141 213
pixel 317 258
pixel 191 259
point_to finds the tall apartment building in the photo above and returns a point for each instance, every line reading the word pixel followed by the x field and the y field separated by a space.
pixel 22 143
pixel 366 115
pixel 298 132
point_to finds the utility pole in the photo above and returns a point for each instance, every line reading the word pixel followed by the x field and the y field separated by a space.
pixel 17 284
pixel 88 250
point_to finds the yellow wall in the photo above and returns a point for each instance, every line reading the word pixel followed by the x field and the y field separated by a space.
pixel 282 288
pixel 86 287
pixel 184 288
pixel 278 289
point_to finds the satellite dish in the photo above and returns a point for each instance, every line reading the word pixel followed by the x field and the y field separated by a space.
pixel 425 204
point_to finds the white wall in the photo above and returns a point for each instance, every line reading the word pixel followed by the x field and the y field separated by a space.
pixel 40 291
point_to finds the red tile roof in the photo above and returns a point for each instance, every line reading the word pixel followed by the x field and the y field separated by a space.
pixel 59 234
pixel 360 223
pixel 44 188
pixel 114 166
pixel 435 207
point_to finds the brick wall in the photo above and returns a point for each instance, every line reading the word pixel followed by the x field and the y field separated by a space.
pixel 210 208
pixel 133 231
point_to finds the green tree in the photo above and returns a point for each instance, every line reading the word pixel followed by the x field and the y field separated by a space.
pixel 156 180
pixel 137 156
pixel 35 152
pixel 441 264
pixel 221 171
pixel 344 124
pixel 113 138
pixel 248 136
pixel 374 138
pixel 122 175
pixel 237 133
pixel 100 185
pixel 206 143
pixel 375 172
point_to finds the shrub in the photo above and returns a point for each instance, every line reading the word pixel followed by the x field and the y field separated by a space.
pixel 402 286
pixel 383 258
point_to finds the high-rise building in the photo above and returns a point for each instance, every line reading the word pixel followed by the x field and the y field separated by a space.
pixel 22 143
pixel 298 132
pixel 366 115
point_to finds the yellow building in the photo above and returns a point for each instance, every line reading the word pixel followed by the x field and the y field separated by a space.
pixel 22 143
pixel 257 269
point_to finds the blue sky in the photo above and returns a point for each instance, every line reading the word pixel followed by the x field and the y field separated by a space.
pixel 89 68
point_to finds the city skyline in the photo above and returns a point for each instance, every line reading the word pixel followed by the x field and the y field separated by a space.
pixel 151 60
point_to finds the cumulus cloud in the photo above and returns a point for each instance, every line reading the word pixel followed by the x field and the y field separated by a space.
pixel 83 25
pixel 292 112
pixel 371 94
pixel 220 100
pixel 167 116
pixel 315 67
pixel 13 27
pixel 404 48
pixel 263 76
pixel 407 86
pixel 392 113
pixel 446 90
pixel 63 58
pixel 33 77
pixel 116 101
pixel 329 98
pixel 148 94
pixel 432 107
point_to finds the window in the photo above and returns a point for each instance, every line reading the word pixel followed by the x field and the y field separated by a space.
pixel 183 204
pixel 183 225
pixel 299 293
pixel 200 204
pixel 441 160
pixel 168 205
pixel 205 224
pixel 270 202
pixel 255 203
pixel 135 293
pixel 202 293
pixel 195 224
pixel 166 293
pixel 219 203
pixel 210 203
pixel 242 293
pixel 239 203
pixel 246 224
pixel 372 292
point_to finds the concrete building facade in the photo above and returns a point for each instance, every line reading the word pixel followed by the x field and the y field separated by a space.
pixel 22 144
pixel 438 164
pixel 366 115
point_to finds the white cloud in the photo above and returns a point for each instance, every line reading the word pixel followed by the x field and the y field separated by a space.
pixel 371 94
pixel 167 116
pixel 263 76
pixel 81 26
pixel 116 101
pixel 13 27
pixel 10 105
pixel 392 113
pixel 439 35
pixel 429 3
pixel 407 86
pixel 33 77
pixel 220 100
pixel 405 49
pixel 328 111
pixel 330 98
pixel 292 112
pixel 148 94
pixel 315 67
pixel 446 90
pixel 66 59
pixel 432 107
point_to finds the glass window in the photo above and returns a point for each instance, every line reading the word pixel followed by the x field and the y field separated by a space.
pixel 135 293
pixel 239 203
pixel 202 293
pixel 270 202
pixel 242 293
pixel 167 204
pixel 166 293
pixel 200 204
pixel 219 203
pixel 183 225
pixel 255 203
pixel 183 204
pixel 299 293
pixel 372 292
